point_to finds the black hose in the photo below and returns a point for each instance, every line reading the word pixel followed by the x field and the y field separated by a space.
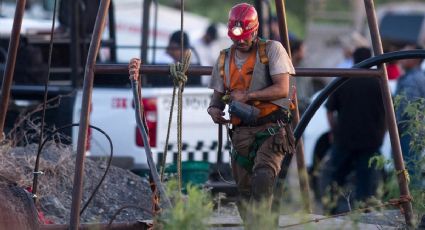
pixel 335 84
pixel 148 152
pixel 106 170
pixel 331 87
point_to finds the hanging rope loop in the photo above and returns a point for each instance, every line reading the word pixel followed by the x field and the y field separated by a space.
pixel 178 70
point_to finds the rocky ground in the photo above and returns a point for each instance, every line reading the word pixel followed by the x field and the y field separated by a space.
pixel 121 187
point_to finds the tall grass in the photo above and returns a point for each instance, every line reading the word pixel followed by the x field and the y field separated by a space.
pixel 189 211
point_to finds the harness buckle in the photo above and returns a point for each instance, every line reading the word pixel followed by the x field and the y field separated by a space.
pixel 271 131
pixel 280 123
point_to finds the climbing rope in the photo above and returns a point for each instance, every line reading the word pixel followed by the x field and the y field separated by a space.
pixel 178 72
pixel 170 118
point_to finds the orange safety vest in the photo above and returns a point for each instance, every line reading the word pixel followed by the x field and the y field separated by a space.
pixel 241 80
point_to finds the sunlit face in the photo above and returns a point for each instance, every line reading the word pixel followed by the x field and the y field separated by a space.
pixel 174 51
pixel 245 45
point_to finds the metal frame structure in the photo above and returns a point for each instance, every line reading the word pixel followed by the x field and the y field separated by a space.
pixel 91 69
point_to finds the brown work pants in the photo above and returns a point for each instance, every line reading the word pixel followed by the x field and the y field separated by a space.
pixel 258 184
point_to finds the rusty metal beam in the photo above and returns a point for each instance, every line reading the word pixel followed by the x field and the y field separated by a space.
pixel 389 111
pixel 302 170
pixel 84 115
pixel 10 62
pixel 283 28
pixel 206 70
pixel 117 226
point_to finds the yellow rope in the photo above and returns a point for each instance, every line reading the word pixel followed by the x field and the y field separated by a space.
pixel 170 118
pixel 178 72
pixel 405 173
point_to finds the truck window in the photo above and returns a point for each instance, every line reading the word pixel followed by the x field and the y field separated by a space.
pixel 409 27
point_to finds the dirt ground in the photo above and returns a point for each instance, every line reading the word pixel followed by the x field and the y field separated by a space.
pixel 121 187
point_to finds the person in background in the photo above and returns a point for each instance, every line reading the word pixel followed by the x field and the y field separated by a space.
pixel 357 119
pixel 207 48
pixel 174 45
pixel 411 89
pixel 243 78
pixel 349 43
pixel 394 70
pixel 297 50
pixel 174 51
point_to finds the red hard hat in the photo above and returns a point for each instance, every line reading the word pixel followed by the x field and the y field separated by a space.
pixel 243 21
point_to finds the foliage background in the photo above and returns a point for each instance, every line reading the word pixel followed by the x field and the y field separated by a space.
pixel 296 10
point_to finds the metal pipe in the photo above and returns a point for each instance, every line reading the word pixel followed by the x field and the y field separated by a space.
pixel 75 46
pixel 283 29
pixel 10 62
pixel 389 111
pixel 302 170
pixel 112 33
pixel 258 4
pixel 206 70
pixel 145 29
pixel 84 115
pixel 331 87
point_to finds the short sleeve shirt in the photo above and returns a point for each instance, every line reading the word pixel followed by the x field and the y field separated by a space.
pixel 279 63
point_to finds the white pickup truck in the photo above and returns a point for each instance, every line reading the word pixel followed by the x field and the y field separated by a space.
pixel 112 101
pixel 113 111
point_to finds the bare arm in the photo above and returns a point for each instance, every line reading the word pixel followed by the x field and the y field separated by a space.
pixel 279 89
pixel 215 110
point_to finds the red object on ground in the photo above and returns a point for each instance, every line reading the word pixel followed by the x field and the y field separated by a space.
pixel 41 218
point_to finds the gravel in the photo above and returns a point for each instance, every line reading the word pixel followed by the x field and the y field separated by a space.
pixel 121 187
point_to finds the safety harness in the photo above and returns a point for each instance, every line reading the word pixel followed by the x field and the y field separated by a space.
pixel 247 162
pixel 261 53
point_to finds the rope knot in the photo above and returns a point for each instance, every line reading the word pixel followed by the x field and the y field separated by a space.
pixel 178 70
pixel 398 202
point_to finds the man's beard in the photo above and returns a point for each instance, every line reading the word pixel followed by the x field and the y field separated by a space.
pixel 246 47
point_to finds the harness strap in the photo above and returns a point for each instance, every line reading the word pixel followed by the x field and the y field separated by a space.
pixel 264 59
pixel 221 60
pixel 247 162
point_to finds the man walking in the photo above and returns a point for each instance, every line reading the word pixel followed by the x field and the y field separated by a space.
pixel 252 76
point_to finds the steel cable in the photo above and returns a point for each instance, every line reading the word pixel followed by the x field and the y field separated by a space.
pixel 43 116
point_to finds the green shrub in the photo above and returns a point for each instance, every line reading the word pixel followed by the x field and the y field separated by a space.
pixel 189 211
